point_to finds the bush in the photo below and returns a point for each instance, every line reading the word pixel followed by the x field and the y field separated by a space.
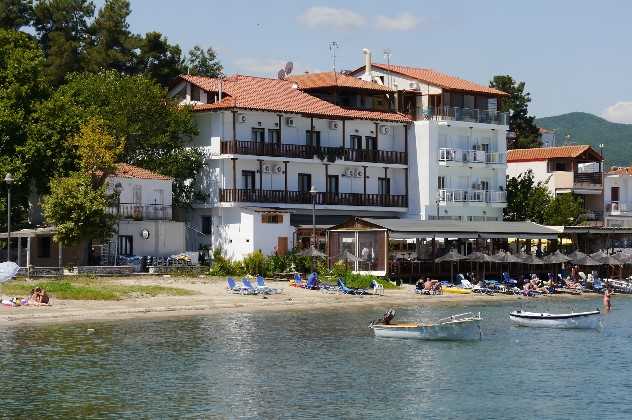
pixel 256 263
pixel 363 281
pixel 222 266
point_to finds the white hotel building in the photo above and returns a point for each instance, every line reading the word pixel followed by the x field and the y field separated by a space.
pixel 394 142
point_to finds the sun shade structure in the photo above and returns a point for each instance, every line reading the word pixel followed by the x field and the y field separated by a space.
pixel 312 252
pixel 450 256
pixel 348 256
pixel 506 257
pixel 480 257
pixel 586 260
pixel 556 258
pixel 576 255
pixel 532 260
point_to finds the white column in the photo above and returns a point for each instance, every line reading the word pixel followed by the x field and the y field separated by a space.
pixel 28 256
pixel 19 251
pixel 60 254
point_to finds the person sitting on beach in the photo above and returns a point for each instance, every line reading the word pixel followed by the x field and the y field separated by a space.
pixel 436 287
pixel 419 286
pixel 428 285
pixel 44 298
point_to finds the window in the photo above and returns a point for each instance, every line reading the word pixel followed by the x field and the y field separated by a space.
pixel 614 194
pixel 384 186
pixel 274 136
pixel 44 247
pixel 441 183
pixel 195 93
pixel 356 142
pixel 312 138
pixel 181 95
pixel 304 182
pixel 371 142
pixel 258 135
pixel 207 225
pixel 138 194
pixel 332 184
pixel 126 245
pixel 485 185
pixel 272 218
pixel 248 179
pixel 560 166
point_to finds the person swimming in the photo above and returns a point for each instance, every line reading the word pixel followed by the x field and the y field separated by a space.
pixel 607 304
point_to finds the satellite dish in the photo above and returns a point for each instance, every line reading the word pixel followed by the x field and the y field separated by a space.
pixel 288 67
pixel 281 74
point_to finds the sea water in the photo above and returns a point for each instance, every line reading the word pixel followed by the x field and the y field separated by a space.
pixel 319 364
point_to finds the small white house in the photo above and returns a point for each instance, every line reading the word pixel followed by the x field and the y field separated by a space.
pixel 146 227
pixel 618 197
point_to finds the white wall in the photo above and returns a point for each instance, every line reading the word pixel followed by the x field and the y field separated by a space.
pixel 539 169
pixel 165 237
pixel 149 189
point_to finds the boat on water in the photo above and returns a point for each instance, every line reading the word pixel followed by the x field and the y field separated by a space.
pixel 464 326
pixel 576 320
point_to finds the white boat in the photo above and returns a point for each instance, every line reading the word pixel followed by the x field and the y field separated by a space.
pixel 456 327
pixel 581 320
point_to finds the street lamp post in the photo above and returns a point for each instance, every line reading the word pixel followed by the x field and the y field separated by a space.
pixel 9 180
pixel 118 189
pixel 313 191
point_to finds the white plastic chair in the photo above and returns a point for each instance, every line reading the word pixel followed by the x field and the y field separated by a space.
pixel 378 289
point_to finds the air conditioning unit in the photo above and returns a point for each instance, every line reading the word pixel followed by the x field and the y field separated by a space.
pixel 358 173
pixel 267 169
pixel 333 125
pixel 413 86
pixel 242 118
pixel 385 130
pixel 278 169
pixel 289 121
pixel 348 172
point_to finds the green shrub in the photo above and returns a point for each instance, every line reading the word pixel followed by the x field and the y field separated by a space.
pixel 222 266
pixel 256 263
pixel 363 281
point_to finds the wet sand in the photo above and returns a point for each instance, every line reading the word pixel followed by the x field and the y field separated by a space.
pixel 210 296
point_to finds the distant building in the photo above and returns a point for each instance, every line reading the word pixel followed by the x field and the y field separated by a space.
pixel 564 169
pixel 618 197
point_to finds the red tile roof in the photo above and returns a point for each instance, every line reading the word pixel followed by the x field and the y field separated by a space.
pixel 627 170
pixel 438 79
pixel 125 170
pixel 545 153
pixel 264 94
pixel 330 79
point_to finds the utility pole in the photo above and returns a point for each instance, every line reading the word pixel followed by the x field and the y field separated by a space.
pixel 333 46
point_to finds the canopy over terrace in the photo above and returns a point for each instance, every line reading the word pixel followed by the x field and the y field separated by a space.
pixel 372 236
pixel 29 234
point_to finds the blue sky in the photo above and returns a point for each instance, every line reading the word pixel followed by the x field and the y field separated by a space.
pixel 573 55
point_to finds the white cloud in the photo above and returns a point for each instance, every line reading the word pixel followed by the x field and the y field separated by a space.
pixel 403 22
pixel 621 112
pixel 327 17
pixel 260 66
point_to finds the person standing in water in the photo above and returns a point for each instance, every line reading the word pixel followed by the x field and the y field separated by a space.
pixel 606 299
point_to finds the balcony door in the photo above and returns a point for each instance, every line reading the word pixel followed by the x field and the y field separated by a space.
pixel 258 135
pixel 312 138
pixel 356 142
pixel 614 194
pixel 304 182
pixel 371 142
pixel 384 186
pixel 274 136
pixel 248 180
pixel 333 182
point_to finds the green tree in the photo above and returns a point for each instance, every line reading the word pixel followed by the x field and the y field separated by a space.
pixel 15 14
pixel 62 28
pixel 203 63
pixel 112 44
pixel 22 86
pixel 78 210
pixel 158 59
pixel 564 210
pixel 134 109
pixel 520 122
pixel 526 199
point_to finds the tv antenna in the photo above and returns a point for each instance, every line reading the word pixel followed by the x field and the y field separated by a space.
pixel 333 46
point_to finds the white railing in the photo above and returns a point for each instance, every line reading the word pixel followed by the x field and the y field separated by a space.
pixel 451 154
pixel 472 196
pixel 463 114
pixel 617 208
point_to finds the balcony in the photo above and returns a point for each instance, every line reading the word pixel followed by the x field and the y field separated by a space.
pixel 591 178
pixel 576 182
pixel 322 198
pixel 472 196
pixel 449 113
pixel 448 154
pixel 618 208
pixel 132 211
pixel 301 151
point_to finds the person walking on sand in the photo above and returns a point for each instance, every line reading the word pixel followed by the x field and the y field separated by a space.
pixel 606 299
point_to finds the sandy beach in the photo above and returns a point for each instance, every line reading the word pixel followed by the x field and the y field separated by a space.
pixel 210 296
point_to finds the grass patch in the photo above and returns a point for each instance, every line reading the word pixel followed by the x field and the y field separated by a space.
pixel 89 289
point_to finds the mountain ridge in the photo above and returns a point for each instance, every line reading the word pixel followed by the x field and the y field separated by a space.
pixel 591 129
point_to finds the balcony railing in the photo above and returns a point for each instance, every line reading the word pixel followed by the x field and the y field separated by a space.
pixel 448 154
pixel 588 178
pixel 463 114
pixel 322 198
pixel 302 151
pixel 617 208
pixel 472 196
pixel 142 211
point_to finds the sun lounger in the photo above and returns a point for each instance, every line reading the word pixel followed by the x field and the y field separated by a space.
pixel 297 281
pixel 349 291
pixel 378 289
pixel 508 281
pixel 312 282
pixel 248 288
pixel 261 286
pixel 233 287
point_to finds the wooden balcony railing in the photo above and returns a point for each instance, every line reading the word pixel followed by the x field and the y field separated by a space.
pixel 588 178
pixel 302 151
pixel 322 198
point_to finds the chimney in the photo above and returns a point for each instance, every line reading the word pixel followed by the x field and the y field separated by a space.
pixel 367 76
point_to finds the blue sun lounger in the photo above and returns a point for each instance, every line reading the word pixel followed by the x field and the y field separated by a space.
pixel 248 287
pixel 261 286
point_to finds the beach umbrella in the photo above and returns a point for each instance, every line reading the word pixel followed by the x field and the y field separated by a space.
pixel 506 257
pixel 556 258
pixel 532 260
pixel 575 255
pixel 599 255
pixel 480 257
pixel 348 256
pixel 8 270
pixel 451 256
pixel 587 261
pixel 312 252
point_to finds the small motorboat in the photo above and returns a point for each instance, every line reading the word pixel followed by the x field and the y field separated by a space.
pixel 579 320
pixel 456 327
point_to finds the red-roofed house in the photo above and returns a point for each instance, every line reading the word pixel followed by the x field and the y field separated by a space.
pixel 564 169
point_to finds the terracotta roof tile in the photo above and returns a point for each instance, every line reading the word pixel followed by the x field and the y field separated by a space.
pixel 258 93
pixel 436 78
pixel 125 170
pixel 545 153
pixel 627 170
pixel 331 79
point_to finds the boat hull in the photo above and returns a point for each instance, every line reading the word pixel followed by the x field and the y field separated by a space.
pixel 582 320
pixel 458 330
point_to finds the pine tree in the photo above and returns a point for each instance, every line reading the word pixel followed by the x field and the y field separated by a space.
pixel 15 14
pixel 158 59
pixel 204 63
